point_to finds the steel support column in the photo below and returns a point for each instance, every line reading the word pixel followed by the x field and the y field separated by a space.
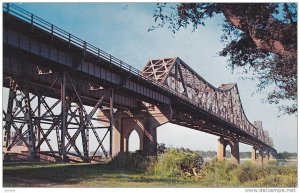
pixel 83 133
pixel 63 118
pixel 28 120
pixel 38 123
pixel 111 119
pixel 9 116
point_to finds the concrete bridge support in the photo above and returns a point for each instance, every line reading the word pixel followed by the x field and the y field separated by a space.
pixel 234 145
pixel 253 154
pixel 221 149
pixel 145 124
pixel 262 157
pixel 257 157
pixel 270 156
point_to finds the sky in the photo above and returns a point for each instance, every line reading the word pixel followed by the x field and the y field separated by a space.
pixel 121 29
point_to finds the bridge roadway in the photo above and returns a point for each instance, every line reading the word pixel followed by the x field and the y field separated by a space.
pixel 46 61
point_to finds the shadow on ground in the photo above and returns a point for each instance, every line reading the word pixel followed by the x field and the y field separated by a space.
pixel 82 175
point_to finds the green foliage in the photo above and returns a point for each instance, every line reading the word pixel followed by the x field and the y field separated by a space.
pixel 247 172
pixel 177 163
pixel 132 160
pixel 245 155
pixel 161 148
pixel 218 173
pixel 174 168
pixel 213 174
pixel 274 176
pixel 212 154
pixel 287 155
pixel 259 38
pixel 182 163
pixel 207 154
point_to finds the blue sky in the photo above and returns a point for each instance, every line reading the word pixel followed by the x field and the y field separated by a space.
pixel 121 30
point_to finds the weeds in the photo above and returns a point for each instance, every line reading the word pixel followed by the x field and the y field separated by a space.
pixel 175 163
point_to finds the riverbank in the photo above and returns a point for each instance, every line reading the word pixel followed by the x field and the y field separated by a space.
pixel 107 175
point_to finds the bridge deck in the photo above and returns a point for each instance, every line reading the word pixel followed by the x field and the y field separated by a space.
pixel 30 42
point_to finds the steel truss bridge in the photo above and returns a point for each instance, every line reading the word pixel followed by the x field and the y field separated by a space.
pixel 63 86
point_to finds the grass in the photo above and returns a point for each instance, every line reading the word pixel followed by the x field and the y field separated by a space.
pixel 217 174
pixel 81 175
pixel 248 175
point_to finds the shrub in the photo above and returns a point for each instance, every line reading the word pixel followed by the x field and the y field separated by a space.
pixel 176 163
pixel 247 172
pixel 132 160
pixel 271 175
pixel 218 173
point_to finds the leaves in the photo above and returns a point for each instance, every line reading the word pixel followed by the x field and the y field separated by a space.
pixel 178 162
pixel 258 37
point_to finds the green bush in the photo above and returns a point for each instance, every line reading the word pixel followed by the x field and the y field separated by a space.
pixel 177 163
pixel 247 172
pixel 131 160
pixel 218 173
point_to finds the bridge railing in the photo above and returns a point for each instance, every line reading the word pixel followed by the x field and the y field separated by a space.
pixel 36 21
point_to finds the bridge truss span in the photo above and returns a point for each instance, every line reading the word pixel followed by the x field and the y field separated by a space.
pixel 223 102
pixel 61 86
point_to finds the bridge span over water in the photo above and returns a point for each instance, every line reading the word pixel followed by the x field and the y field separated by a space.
pixel 63 86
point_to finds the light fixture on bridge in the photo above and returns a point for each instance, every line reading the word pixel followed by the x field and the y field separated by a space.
pixel 42 70
pixel 95 87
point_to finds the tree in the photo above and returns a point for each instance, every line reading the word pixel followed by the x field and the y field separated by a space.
pixel 260 38
pixel 161 148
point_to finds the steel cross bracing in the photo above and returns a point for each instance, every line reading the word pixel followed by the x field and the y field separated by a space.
pixel 33 117
pixel 163 81
pixel 223 102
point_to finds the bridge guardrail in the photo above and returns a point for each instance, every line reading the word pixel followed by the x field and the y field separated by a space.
pixel 35 21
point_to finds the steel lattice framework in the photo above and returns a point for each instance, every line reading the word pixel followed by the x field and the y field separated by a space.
pixel 223 102
pixel 33 117
pixel 57 82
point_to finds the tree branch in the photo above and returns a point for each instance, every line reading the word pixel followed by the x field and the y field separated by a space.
pixel 267 45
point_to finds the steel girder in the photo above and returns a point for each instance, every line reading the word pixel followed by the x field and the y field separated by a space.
pixel 33 118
